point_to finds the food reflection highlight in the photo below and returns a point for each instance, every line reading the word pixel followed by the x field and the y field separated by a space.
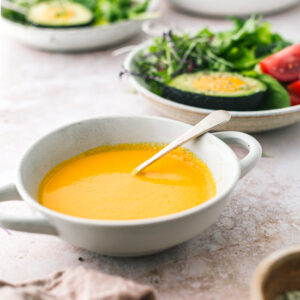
pixel 99 184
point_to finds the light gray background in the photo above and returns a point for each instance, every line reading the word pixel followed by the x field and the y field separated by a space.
pixel 40 91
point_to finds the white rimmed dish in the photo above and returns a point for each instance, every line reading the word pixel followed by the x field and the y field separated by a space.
pixel 75 39
pixel 125 238
pixel 232 7
pixel 246 121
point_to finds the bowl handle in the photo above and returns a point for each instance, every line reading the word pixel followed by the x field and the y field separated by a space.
pixel 246 141
pixel 36 224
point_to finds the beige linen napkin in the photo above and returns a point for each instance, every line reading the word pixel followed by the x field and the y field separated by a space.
pixel 77 284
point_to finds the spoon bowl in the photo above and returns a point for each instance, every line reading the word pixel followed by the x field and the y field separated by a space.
pixel 212 120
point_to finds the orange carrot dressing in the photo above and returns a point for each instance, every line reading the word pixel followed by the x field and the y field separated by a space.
pixel 98 184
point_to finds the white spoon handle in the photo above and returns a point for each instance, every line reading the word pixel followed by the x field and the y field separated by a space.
pixel 212 120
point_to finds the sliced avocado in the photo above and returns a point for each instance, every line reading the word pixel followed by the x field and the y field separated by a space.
pixel 59 14
pixel 216 90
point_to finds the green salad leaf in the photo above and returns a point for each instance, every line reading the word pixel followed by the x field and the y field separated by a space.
pixel 110 11
pixel 15 16
pixel 12 15
pixel 277 96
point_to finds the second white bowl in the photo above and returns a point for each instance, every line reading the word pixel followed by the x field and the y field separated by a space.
pixel 74 39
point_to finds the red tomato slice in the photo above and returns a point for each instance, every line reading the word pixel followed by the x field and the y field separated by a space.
pixel 295 87
pixel 295 99
pixel 283 65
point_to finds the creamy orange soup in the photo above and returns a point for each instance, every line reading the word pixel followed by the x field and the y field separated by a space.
pixel 98 184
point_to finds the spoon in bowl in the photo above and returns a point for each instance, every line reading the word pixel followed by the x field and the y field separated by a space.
pixel 215 118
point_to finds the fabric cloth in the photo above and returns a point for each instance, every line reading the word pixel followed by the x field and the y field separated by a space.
pixel 77 284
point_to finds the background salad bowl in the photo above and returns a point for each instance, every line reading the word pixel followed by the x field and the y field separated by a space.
pixel 77 38
pixel 125 238
pixel 247 121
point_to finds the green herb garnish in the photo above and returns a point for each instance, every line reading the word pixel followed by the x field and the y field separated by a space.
pixel 293 295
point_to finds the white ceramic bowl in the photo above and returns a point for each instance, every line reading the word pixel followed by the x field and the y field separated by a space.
pixel 232 7
pixel 246 121
pixel 125 238
pixel 74 39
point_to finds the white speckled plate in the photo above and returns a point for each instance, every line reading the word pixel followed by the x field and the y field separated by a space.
pixel 74 39
pixel 232 7
pixel 247 121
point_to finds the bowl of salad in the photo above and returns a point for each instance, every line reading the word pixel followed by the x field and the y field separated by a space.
pixel 249 70
pixel 75 25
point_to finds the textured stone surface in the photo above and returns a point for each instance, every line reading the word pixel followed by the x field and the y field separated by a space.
pixel 40 91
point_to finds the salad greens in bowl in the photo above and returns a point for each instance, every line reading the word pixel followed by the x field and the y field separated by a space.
pixel 72 13
pixel 187 75
pixel 75 25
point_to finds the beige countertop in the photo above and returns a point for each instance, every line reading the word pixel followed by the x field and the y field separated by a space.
pixel 40 91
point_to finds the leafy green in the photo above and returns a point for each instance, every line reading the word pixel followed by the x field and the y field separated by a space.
pixel 237 50
pixel 277 96
pixel 12 15
pixel 105 11
pixel 15 16
pixel 290 295
pixel 109 11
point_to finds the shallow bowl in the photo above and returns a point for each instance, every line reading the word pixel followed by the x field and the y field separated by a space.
pixel 133 237
pixel 246 121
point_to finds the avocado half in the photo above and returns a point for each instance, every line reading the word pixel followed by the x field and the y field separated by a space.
pixel 59 14
pixel 216 90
